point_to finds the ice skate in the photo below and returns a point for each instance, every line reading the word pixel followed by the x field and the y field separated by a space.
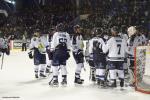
pixel 42 75
pixel 93 78
pixel 64 82
pixel 78 81
pixel 48 70
pixel 54 83
pixel 36 76
pixel 113 84
pixel 121 83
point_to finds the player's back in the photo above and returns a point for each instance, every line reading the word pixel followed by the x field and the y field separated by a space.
pixel 116 48
pixel 59 38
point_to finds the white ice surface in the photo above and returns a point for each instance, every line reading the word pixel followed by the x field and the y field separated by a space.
pixel 17 80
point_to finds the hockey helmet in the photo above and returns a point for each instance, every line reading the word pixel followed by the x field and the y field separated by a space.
pixel 100 31
pixel 131 31
pixel 36 34
pixel 60 27
pixel 76 27
pixel 115 30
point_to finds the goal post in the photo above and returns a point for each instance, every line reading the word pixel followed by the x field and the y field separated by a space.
pixel 142 69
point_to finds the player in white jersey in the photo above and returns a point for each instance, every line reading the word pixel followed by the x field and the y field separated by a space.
pixel 38 47
pixel 99 58
pixel 77 48
pixel 123 34
pixel 116 48
pixel 90 55
pixel 4 46
pixel 136 39
pixel 142 37
pixel 60 46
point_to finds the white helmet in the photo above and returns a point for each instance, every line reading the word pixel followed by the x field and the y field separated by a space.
pixel 131 31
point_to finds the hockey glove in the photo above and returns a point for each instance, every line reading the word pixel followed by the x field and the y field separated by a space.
pixel 30 55
pixel 7 51
pixel 3 50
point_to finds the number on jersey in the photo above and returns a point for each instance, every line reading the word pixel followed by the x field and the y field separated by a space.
pixel 119 48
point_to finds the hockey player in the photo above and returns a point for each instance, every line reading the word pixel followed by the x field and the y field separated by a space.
pixel 77 48
pixel 89 60
pixel 116 48
pixel 141 34
pixel 38 48
pixel 123 34
pixel 135 39
pixel 99 57
pixel 4 46
pixel 60 46
pixel 49 52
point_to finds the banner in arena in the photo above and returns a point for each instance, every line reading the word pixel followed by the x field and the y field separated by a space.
pixel 17 44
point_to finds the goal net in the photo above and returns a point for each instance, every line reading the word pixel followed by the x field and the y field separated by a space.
pixel 142 69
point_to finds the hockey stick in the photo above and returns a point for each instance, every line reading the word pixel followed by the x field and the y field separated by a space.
pixel 2 61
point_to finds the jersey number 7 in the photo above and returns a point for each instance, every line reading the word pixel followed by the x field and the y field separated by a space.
pixel 119 48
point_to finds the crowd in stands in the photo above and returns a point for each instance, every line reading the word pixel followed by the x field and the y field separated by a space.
pixel 20 22
pixel 107 13
pixel 103 13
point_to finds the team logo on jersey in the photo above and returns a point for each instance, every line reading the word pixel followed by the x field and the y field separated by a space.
pixel 41 48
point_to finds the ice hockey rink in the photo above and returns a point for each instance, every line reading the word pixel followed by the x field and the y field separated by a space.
pixel 17 82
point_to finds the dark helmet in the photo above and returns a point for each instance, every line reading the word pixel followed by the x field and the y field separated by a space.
pixel 76 27
pixel 99 32
pixel 115 29
pixel 60 27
